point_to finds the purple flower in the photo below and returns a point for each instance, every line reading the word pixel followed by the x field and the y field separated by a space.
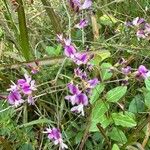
pixel 81 100
pixel 76 4
pixel 140 34
pixel 14 98
pixel 13 87
pixel 31 100
pixel 80 58
pixel 142 72
pixel 27 85
pixel 126 70
pixel 79 73
pixel 92 83
pixel 73 89
pixel 56 137
pixel 138 21
pixel 86 5
pixel 83 23
pixel 69 49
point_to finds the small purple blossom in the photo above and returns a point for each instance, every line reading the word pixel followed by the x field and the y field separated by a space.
pixel 77 98
pixel 92 83
pixel 80 58
pixel 82 24
pixel 31 100
pixel 86 5
pixel 15 98
pixel 140 34
pixel 126 70
pixel 142 72
pixel 54 134
pixel 81 100
pixel 79 73
pixel 73 89
pixel 69 49
pixel 23 87
pixel 138 21
pixel 76 5
pixel 27 85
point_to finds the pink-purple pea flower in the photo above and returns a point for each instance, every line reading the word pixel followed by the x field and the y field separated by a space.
pixel 23 87
pixel 80 58
pixel 27 85
pixel 82 24
pixel 15 98
pixel 77 98
pixel 142 72
pixel 76 5
pixel 126 70
pixel 81 74
pixel 138 21
pixel 55 136
pixel 69 49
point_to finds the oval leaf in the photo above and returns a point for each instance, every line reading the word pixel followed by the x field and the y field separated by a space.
pixel 116 94
pixel 124 119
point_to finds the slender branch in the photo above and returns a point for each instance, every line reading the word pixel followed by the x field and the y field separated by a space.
pixel 41 62
pixel 102 131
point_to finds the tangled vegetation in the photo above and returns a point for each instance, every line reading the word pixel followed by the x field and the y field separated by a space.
pixel 74 74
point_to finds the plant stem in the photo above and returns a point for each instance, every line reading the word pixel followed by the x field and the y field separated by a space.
pixel 55 21
pixel 25 114
pixel 23 37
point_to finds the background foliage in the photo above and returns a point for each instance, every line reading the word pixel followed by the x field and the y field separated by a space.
pixel 117 117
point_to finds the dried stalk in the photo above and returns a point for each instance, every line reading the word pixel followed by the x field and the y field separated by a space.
pixel 55 21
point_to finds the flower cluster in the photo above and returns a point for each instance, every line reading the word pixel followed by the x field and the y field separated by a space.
pixel 142 27
pixel 77 5
pixel 24 87
pixel 79 98
pixel 54 134
pixel 141 73
pixel 71 52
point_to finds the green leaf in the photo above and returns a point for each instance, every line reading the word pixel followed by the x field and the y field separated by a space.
pixel 147 83
pixel 52 51
pixel 137 104
pixel 108 20
pixel 118 135
pixel 98 115
pixel 105 71
pixel 115 147
pixel 147 99
pixel 100 56
pixel 125 119
pixel 96 92
pixel 116 93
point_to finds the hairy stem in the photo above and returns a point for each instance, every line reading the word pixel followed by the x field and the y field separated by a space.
pixel 23 37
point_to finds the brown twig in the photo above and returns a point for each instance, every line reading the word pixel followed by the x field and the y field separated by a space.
pixel 102 131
